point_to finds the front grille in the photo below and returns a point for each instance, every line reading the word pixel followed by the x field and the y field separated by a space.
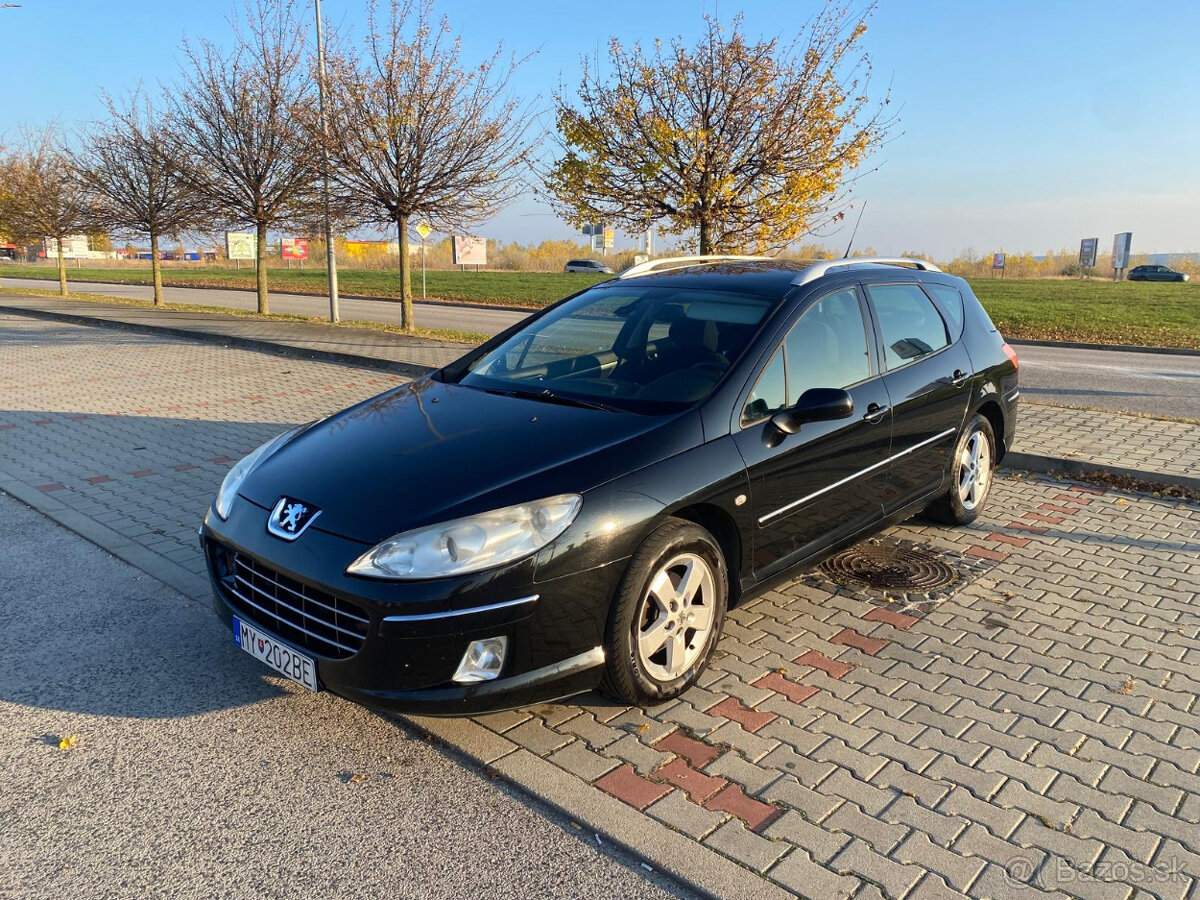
pixel 318 621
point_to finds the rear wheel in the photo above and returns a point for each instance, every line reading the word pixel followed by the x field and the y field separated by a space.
pixel 667 615
pixel 971 472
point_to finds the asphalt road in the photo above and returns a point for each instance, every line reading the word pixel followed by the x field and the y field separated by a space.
pixel 197 775
pixel 1146 383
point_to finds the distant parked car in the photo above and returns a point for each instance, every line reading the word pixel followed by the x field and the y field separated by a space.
pixel 1155 273
pixel 587 265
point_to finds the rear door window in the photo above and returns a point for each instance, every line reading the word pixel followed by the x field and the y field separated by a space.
pixel 910 324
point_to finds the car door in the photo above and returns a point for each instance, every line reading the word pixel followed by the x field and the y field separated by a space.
pixel 811 488
pixel 928 376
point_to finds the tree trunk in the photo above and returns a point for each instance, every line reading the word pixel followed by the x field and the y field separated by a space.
pixel 260 266
pixel 62 269
pixel 156 269
pixel 406 296
pixel 704 238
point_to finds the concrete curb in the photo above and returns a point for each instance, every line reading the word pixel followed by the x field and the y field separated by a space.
pixel 645 839
pixel 1124 348
pixel 1063 466
pixel 262 346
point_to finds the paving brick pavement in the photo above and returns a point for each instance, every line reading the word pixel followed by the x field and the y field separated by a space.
pixel 1034 732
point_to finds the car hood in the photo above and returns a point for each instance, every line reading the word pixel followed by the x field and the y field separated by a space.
pixel 430 451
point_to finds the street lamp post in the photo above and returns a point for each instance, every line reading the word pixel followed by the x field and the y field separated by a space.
pixel 330 251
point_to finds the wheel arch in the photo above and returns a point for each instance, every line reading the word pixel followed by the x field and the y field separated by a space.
pixel 720 524
pixel 991 411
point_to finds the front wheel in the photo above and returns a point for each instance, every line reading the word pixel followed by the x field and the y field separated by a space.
pixel 666 616
pixel 971 471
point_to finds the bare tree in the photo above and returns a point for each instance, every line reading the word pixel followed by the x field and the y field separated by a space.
pixel 240 123
pixel 739 145
pixel 138 186
pixel 415 132
pixel 45 198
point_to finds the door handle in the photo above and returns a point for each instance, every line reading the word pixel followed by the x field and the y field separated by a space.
pixel 959 378
pixel 875 413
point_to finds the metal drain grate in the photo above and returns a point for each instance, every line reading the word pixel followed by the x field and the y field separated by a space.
pixel 887 566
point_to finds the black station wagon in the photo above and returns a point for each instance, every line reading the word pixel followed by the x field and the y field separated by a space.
pixel 577 502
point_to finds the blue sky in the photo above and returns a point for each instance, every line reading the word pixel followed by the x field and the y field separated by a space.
pixel 1024 126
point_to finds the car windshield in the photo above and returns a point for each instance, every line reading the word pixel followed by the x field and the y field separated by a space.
pixel 635 348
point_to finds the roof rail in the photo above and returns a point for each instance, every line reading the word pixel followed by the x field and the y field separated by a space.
pixel 681 262
pixel 819 268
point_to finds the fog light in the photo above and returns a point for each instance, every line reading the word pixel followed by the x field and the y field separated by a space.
pixel 483 660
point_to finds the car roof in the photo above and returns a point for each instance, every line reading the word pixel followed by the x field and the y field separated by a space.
pixel 770 277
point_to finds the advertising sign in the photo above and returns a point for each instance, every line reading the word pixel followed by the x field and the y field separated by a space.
pixel 294 248
pixel 609 234
pixel 997 260
pixel 75 246
pixel 241 245
pixel 469 250
pixel 1121 244
pixel 1087 252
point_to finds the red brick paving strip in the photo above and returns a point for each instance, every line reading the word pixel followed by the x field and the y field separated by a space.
pixel 1082 501
pixel 221 459
pixel 98 479
pixel 751 720
pixel 47 488
pixel 851 638
pixel 985 553
pixel 830 667
pixel 1053 520
pixel 1008 539
pixel 893 618
pixel 732 799
pixel 797 693
pixel 142 473
pixel 1022 526
pixel 697 753
pixel 7 427
pixel 183 467
pixel 698 786
pixel 1085 490
pixel 630 787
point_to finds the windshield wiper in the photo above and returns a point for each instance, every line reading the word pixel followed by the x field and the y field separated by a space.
pixel 548 396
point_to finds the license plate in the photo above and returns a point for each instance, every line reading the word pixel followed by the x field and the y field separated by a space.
pixel 280 657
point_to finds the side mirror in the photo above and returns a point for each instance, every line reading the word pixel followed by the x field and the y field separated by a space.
pixel 815 405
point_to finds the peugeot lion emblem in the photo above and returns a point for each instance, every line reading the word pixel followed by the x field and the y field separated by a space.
pixel 290 517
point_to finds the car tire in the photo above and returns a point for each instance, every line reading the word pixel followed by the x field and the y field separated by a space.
pixel 971 471
pixel 677 575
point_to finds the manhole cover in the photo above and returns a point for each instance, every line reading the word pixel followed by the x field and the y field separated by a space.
pixel 889 567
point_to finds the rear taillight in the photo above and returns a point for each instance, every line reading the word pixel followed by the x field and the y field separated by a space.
pixel 1011 354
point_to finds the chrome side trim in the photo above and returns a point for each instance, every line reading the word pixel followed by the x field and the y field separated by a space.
pixel 849 478
pixel 425 617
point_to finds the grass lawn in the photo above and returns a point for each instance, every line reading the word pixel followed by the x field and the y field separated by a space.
pixel 1143 313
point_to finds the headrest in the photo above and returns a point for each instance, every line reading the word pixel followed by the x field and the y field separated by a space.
pixel 694 333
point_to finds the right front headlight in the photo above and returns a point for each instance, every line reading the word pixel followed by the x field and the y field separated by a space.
pixel 235 476
pixel 470 544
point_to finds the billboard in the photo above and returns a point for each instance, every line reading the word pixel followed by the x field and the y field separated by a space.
pixel 1121 244
pixel 294 248
pixel 241 245
pixel 609 234
pixel 1087 252
pixel 997 260
pixel 469 250
pixel 75 246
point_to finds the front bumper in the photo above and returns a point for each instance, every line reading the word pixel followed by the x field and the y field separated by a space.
pixel 417 632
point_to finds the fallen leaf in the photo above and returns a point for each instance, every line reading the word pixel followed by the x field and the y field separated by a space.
pixel 356 778
pixel 68 742
pixel 1127 687
pixel 643 728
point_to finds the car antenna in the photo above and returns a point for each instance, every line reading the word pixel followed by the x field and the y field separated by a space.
pixel 861 210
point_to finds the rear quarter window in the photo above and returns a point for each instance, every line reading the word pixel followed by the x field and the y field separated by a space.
pixel 949 302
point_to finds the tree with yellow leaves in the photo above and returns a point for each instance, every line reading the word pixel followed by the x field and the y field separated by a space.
pixel 730 144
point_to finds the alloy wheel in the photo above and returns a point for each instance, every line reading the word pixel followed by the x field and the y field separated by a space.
pixel 675 617
pixel 975 471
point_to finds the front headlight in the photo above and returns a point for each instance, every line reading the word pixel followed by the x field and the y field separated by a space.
pixel 470 544
pixel 235 476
